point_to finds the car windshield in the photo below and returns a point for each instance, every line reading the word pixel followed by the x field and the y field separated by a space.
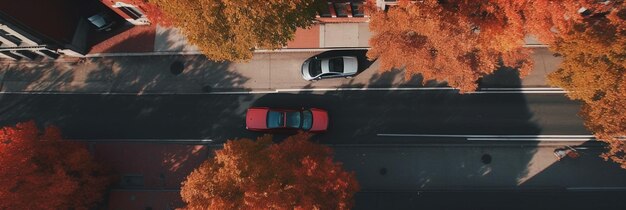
pixel 293 119
pixel 335 65
pixel 275 119
pixel 315 67
pixel 307 120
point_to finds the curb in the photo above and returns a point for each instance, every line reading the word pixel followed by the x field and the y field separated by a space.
pixel 286 50
pixel 200 53
pixel 511 189
pixel 538 90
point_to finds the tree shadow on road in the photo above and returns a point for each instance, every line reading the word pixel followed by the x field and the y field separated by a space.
pixel 360 117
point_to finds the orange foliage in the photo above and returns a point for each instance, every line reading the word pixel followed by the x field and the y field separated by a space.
pixel 246 174
pixel 454 41
pixel 231 30
pixel 152 11
pixel 550 19
pixel 594 71
pixel 42 171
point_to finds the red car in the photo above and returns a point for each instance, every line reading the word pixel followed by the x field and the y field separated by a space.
pixel 276 120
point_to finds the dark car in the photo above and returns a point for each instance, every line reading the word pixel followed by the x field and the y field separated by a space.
pixel 285 120
pixel 102 21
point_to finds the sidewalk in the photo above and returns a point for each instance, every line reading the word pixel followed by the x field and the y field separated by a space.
pixel 421 167
pixel 158 40
pixel 151 173
pixel 265 72
pixel 463 167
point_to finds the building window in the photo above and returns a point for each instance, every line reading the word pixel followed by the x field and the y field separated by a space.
pixel 132 12
pixel 357 9
pixel 340 9
pixel 135 16
pixel 10 37
pixel 27 53
pixel 324 11
pixel 10 54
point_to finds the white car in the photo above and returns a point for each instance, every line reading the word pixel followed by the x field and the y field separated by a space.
pixel 322 68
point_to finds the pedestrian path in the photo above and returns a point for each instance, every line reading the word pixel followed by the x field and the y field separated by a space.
pixel 194 74
pixel 472 167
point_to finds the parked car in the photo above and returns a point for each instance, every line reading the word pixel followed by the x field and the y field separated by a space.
pixel 267 119
pixel 102 21
pixel 322 68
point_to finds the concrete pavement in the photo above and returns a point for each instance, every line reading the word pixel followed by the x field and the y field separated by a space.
pixel 520 176
pixel 443 176
pixel 266 71
pixel 463 168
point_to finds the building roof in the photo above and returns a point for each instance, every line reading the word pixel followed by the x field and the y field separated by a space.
pixel 56 19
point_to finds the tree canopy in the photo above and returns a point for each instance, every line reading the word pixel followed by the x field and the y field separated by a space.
pixel 43 171
pixel 454 41
pixel 231 30
pixel 246 174
pixel 460 41
pixel 594 71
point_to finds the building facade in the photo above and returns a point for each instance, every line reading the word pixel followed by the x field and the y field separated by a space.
pixel 33 29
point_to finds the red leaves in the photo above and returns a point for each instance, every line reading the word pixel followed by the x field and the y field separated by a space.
pixel 153 12
pixel 259 174
pixel 42 171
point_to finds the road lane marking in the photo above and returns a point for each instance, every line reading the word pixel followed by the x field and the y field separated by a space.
pixel 481 91
pixel 292 90
pixel 574 138
pixel 532 139
pixel 596 188
pixel 484 136
pixel 526 88
pixel 148 140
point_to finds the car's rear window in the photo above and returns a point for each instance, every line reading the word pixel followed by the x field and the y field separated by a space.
pixel 293 119
pixel 275 119
pixel 307 119
pixel 335 65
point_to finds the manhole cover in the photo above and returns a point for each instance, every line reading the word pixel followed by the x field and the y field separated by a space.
pixel 177 67
pixel 382 171
pixel 486 158
pixel 207 88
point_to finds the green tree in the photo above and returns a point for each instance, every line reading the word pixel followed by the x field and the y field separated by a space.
pixel 246 174
pixel 231 30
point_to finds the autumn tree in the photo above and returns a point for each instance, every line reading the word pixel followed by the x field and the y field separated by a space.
pixel 152 11
pixel 231 30
pixel 43 171
pixel 454 41
pixel 594 71
pixel 246 174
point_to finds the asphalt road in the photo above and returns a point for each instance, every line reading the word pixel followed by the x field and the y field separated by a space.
pixel 496 200
pixel 356 117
